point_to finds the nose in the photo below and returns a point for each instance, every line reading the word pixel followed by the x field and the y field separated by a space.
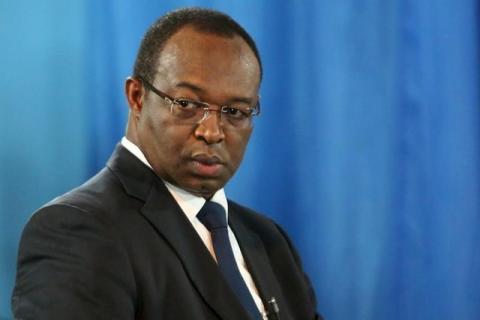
pixel 210 128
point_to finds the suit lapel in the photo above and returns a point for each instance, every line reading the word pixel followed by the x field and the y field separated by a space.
pixel 162 211
pixel 258 263
pixel 166 216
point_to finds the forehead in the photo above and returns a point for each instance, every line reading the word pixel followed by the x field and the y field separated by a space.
pixel 209 60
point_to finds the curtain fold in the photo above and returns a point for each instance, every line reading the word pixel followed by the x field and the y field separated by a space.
pixel 367 150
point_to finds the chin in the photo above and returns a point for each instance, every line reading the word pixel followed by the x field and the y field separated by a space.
pixel 205 189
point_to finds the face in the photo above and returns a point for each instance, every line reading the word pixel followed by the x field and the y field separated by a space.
pixel 199 158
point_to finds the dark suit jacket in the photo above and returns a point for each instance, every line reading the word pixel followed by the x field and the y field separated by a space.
pixel 119 247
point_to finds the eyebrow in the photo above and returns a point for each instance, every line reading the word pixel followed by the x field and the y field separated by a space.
pixel 198 90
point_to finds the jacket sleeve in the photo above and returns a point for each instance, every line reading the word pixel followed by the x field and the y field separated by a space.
pixel 72 266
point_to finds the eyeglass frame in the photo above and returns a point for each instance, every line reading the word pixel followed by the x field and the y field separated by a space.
pixel 207 107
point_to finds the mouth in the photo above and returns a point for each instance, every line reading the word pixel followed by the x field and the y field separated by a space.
pixel 206 159
pixel 207 166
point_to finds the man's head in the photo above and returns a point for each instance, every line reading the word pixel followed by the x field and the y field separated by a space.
pixel 208 21
pixel 197 55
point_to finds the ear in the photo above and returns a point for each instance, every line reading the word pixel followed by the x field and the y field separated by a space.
pixel 134 93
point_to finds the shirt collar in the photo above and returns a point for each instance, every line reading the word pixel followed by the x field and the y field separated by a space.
pixel 190 204
pixel 132 147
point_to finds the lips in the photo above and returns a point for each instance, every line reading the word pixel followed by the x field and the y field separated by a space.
pixel 206 165
pixel 206 159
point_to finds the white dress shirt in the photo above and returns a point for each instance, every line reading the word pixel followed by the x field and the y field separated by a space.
pixel 191 205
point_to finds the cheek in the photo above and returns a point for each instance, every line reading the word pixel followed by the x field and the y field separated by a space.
pixel 156 137
pixel 237 146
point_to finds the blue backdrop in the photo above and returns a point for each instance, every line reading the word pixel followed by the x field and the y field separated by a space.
pixel 367 151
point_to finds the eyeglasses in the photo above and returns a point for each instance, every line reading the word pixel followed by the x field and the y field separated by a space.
pixel 193 112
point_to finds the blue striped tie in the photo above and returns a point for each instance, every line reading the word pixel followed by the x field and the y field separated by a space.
pixel 213 217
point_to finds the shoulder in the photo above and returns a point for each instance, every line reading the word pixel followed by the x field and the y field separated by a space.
pixel 100 197
pixel 272 235
pixel 91 195
pixel 79 213
pixel 79 221
pixel 249 216
pixel 264 227
pixel 66 251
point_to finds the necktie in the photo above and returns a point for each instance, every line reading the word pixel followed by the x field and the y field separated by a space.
pixel 214 219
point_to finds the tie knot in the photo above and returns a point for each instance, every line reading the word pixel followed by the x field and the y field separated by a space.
pixel 212 215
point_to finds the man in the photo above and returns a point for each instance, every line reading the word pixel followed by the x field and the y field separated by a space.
pixel 147 238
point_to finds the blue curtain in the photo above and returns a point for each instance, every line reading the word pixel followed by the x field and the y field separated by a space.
pixel 367 150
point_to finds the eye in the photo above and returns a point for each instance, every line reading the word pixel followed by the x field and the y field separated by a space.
pixel 186 104
pixel 235 113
